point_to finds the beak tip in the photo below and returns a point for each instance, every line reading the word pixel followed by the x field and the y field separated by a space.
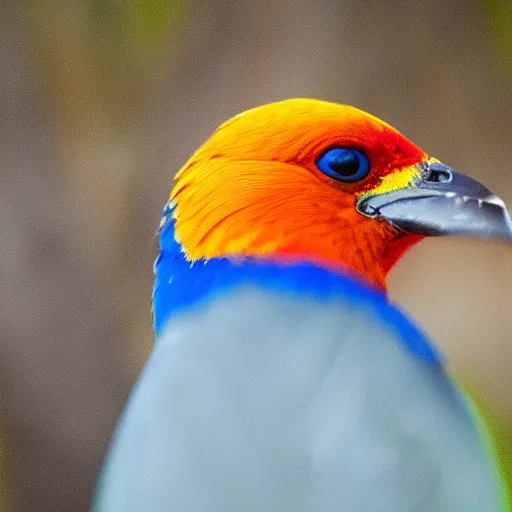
pixel 459 207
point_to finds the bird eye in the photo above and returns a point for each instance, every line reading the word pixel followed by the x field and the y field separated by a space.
pixel 344 164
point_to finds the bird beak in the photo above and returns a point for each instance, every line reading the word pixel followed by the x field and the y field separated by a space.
pixel 441 201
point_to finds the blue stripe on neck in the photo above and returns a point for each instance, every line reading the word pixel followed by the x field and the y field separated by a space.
pixel 181 284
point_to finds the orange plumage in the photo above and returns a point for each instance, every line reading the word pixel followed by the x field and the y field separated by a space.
pixel 253 189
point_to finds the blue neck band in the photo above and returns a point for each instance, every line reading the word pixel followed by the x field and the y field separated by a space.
pixel 181 284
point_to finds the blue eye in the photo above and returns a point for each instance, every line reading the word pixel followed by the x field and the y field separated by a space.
pixel 344 164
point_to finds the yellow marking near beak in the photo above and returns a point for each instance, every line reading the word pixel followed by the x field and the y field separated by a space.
pixel 401 178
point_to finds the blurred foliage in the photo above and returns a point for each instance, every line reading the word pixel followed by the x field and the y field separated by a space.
pixel 103 50
pixel 499 15
pixel 502 434
pixel 97 60
pixel 499 430
pixel 128 38
pixel 141 22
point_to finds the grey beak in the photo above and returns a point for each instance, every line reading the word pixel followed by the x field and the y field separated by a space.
pixel 442 202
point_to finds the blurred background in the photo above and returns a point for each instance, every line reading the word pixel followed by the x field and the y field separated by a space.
pixel 101 102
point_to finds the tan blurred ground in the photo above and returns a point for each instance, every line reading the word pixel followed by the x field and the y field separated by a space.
pixel 101 101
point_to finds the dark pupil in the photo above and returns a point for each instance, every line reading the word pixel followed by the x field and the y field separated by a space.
pixel 347 165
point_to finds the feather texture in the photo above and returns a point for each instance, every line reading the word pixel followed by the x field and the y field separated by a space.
pixel 260 401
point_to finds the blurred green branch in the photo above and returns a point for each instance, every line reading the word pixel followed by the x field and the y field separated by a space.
pixel 499 15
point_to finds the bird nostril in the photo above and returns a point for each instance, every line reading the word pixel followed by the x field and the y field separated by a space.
pixel 439 176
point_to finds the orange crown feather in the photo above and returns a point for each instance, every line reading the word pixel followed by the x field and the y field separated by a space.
pixel 254 189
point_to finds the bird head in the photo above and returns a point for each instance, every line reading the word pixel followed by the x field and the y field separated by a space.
pixel 307 180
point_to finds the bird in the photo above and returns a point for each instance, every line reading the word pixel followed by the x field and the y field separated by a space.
pixel 282 377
